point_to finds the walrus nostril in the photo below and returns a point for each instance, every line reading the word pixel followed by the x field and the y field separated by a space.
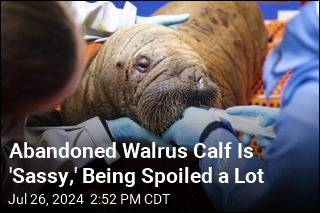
pixel 200 82
pixel 198 76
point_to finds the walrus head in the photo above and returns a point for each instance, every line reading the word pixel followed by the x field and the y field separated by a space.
pixel 145 72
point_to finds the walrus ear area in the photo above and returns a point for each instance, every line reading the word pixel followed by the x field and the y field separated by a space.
pixel 142 64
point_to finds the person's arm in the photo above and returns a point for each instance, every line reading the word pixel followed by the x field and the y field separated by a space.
pixel 96 132
pixel 91 133
pixel 203 126
pixel 290 164
pixel 100 19
pixel 229 196
pixel 295 154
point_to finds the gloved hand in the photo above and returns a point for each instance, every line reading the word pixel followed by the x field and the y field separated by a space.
pixel 126 129
pixel 267 115
pixel 187 131
pixel 102 18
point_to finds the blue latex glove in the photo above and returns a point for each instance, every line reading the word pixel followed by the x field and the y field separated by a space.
pixel 187 131
pixel 268 116
pixel 126 129
pixel 165 20
pixel 102 18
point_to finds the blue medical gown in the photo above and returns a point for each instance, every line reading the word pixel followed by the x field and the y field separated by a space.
pixel 291 164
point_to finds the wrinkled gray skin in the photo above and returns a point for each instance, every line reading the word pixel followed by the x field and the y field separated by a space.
pixel 145 72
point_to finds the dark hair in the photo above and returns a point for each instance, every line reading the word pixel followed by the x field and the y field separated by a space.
pixel 38 52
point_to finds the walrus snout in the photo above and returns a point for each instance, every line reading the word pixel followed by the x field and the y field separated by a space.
pixel 164 101
pixel 197 87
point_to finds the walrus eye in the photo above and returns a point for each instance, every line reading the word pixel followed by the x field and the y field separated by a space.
pixel 142 65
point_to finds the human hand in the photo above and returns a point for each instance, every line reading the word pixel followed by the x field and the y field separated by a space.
pixel 267 116
pixel 102 18
pixel 126 129
pixel 187 131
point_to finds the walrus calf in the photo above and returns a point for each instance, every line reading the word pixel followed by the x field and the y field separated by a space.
pixel 152 73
